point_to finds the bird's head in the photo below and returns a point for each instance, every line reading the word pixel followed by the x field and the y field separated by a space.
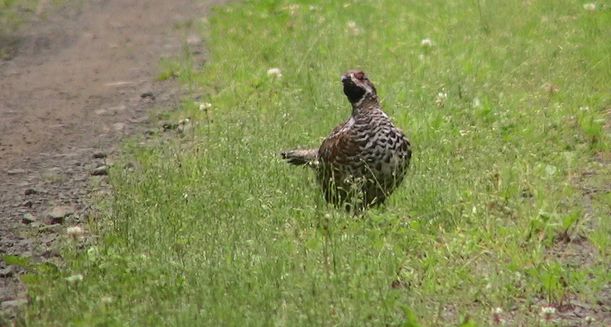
pixel 357 86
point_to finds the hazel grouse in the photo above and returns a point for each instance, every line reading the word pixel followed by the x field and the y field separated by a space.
pixel 364 159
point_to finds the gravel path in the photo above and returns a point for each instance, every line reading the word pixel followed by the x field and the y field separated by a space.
pixel 82 78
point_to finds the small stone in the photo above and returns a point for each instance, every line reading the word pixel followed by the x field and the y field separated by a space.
pixel 184 126
pixel 7 272
pixel 100 112
pixel 30 191
pixel 13 303
pixel 28 218
pixel 138 120
pixel 99 155
pixel 75 232
pixel 117 109
pixel 100 171
pixel 27 203
pixel 169 126
pixel 17 171
pixel 118 126
pixel 58 214
pixel 194 40
pixel 148 95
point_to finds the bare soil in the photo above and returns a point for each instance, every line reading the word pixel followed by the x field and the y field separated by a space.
pixel 82 77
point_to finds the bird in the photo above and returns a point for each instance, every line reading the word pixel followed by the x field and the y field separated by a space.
pixel 364 159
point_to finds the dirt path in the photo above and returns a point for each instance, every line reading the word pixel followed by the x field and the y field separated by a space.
pixel 81 79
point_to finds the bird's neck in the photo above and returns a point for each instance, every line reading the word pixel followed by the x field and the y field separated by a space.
pixel 368 102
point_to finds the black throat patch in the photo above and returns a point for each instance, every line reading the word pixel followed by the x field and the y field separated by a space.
pixel 353 92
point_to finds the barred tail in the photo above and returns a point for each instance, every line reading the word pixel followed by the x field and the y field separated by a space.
pixel 301 157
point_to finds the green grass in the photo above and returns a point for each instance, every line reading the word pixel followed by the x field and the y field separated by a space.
pixel 213 229
pixel 13 13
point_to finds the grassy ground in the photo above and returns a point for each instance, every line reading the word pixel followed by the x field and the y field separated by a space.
pixel 13 13
pixel 506 204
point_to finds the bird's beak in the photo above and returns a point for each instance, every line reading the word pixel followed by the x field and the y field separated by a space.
pixel 345 78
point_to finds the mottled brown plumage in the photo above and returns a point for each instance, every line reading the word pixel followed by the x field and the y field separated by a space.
pixel 364 159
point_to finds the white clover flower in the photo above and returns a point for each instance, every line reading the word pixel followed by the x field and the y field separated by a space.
pixel 497 319
pixel 441 98
pixel 353 28
pixel 589 6
pixel 293 8
pixel 205 106
pixel 426 42
pixel 547 312
pixel 75 278
pixel 274 72
pixel 75 232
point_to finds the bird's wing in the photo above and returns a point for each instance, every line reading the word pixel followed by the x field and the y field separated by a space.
pixel 341 147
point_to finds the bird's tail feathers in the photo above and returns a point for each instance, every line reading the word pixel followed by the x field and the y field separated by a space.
pixel 301 157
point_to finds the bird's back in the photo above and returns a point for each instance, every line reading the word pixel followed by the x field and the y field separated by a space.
pixel 366 154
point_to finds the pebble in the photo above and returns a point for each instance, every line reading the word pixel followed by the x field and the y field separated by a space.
pixel 57 214
pixel 28 218
pixel 100 112
pixel 17 171
pixel 30 191
pixel 117 109
pixel 118 126
pixel 99 155
pixel 138 120
pixel 7 272
pixel 169 126
pixel 100 171
pixel 184 126
pixel 194 40
pixel 148 95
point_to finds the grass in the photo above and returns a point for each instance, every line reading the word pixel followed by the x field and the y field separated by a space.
pixel 506 204
pixel 13 13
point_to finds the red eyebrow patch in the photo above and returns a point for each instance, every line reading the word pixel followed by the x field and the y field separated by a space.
pixel 359 75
